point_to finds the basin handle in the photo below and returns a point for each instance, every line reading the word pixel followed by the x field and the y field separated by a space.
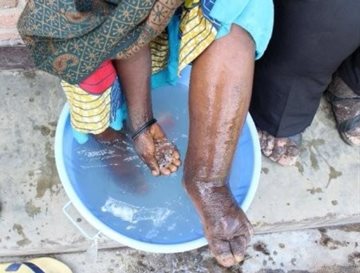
pixel 72 220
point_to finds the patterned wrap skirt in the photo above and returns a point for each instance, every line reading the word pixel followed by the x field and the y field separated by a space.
pixel 76 41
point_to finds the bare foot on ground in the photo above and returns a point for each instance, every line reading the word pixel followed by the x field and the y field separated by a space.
pixel 226 226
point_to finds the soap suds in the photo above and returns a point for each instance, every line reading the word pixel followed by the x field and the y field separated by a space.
pixel 134 214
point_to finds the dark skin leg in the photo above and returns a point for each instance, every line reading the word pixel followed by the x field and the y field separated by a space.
pixel 220 91
pixel 152 145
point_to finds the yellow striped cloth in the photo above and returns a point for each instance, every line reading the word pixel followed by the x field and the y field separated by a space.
pixel 159 52
pixel 197 33
pixel 91 113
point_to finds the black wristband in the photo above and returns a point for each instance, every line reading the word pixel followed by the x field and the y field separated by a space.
pixel 143 128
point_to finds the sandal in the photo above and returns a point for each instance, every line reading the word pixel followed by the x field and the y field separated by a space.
pixel 346 108
pixel 39 265
pixel 282 150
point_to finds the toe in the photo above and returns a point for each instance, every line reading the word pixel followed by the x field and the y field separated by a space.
pixel 176 162
pixel 276 155
pixel 226 260
pixel 176 154
pixel 151 162
pixel 262 140
pixel 268 145
pixel 287 160
pixel 172 168
pixel 165 171
pixel 352 137
pixel 238 246
pixel 155 172
pixel 277 151
pixel 222 252
pixel 290 155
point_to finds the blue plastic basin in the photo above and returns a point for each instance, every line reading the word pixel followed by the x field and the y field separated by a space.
pixel 114 191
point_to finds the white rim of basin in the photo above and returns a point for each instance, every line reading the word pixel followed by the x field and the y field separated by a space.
pixel 104 229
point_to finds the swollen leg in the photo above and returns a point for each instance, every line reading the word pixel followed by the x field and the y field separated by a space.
pixel 220 91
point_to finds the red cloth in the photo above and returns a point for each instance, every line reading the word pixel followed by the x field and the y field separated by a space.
pixel 100 80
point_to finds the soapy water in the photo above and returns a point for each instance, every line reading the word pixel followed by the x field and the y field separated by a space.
pixel 119 190
pixel 133 214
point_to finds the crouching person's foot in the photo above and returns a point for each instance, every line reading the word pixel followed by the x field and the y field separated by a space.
pixel 346 107
pixel 226 226
pixel 282 150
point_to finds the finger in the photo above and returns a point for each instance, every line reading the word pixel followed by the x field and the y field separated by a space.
pixel 238 247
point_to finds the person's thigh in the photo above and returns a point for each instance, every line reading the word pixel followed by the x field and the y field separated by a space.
pixel 311 38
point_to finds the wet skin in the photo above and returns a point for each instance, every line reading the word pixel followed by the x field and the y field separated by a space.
pixel 158 153
pixel 220 91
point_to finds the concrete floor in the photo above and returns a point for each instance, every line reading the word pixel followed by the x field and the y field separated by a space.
pixel 333 250
pixel 322 190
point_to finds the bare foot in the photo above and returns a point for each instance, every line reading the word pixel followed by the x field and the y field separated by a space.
pixel 282 150
pixel 226 226
pixel 120 161
pixel 346 107
pixel 158 153
pixel 152 146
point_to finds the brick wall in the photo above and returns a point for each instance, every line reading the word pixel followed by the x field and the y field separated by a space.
pixel 13 53
pixel 10 11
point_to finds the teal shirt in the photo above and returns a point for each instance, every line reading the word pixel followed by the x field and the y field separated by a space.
pixel 255 16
